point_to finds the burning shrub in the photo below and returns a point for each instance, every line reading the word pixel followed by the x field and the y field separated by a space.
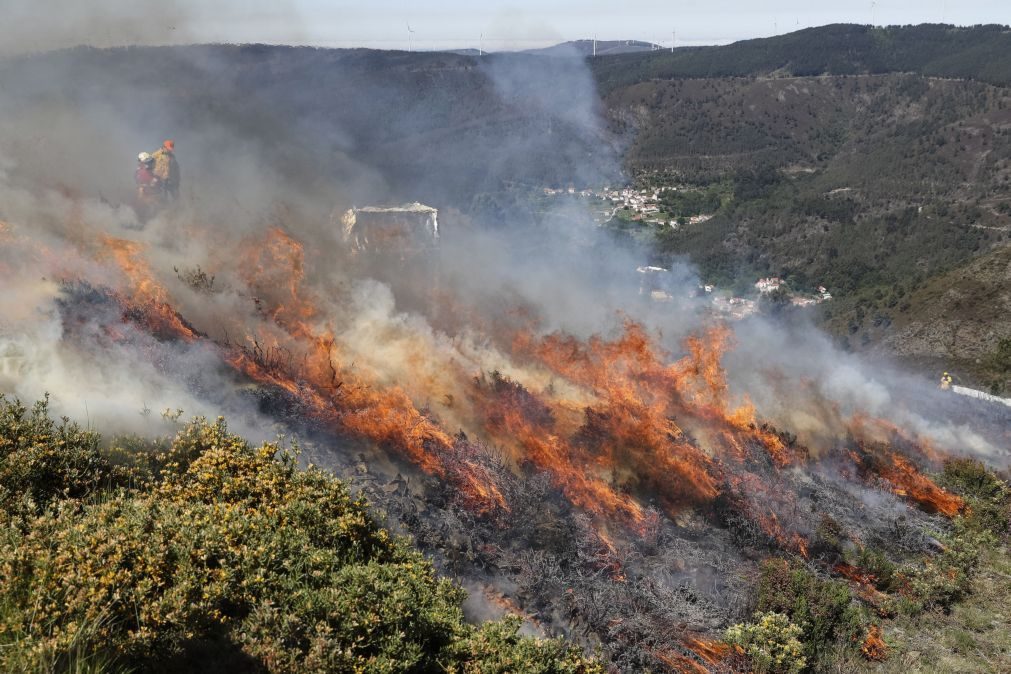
pixel 947 577
pixel 824 609
pixel 877 567
pixel 874 647
pixel 989 497
pixel 230 557
pixel 772 643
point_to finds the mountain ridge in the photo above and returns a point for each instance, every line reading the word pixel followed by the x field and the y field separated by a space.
pixel 835 49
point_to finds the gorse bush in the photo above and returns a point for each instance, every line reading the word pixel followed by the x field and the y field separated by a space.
pixel 824 609
pixel 227 557
pixel 946 578
pixel 41 460
pixel 772 642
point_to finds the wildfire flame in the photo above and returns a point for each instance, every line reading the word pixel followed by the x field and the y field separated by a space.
pixel 626 431
pixel 631 423
pixel 709 650
pixel 904 479
pixel 874 647
pixel 146 294
pixel 708 653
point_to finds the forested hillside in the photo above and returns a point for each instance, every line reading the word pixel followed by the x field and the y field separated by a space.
pixel 847 181
pixel 870 184
pixel 978 52
pixel 960 320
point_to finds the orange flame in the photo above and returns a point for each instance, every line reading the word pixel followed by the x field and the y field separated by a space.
pixel 854 574
pixel 642 426
pixel 905 480
pixel 145 292
pixel 708 653
pixel 708 649
pixel 874 647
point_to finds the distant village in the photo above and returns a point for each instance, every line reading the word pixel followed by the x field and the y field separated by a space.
pixel 644 205
pixel 652 285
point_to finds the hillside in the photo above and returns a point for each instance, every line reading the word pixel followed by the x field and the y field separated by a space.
pixel 848 182
pixel 207 552
pixel 978 52
pixel 868 184
pixel 601 47
pixel 960 320
pixel 670 491
pixel 866 160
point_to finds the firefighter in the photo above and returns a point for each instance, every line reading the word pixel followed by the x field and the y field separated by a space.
pixel 945 381
pixel 149 187
pixel 166 168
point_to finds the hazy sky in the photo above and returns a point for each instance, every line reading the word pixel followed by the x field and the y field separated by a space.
pixel 43 24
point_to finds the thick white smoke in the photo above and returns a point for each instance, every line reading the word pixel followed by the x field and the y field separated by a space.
pixel 254 167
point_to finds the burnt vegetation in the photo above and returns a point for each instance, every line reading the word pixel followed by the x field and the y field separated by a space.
pixel 834 546
pixel 649 600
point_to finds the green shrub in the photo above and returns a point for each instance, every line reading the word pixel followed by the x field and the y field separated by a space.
pixel 947 577
pixel 497 648
pixel 41 460
pixel 772 643
pixel 225 553
pixel 135 460
pixel 876 563
pixel 824 609
pixel 828 537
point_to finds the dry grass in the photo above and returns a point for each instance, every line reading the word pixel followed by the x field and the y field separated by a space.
pixel 974 637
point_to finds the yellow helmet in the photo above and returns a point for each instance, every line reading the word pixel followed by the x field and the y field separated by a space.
pixel 945 374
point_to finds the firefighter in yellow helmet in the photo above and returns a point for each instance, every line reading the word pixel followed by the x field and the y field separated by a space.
pixel 166 168
pixel 945 381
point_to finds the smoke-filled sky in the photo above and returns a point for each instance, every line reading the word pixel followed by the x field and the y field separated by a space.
pixel 32 25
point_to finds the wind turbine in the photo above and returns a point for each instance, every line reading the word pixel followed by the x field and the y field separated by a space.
pixel 410 37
